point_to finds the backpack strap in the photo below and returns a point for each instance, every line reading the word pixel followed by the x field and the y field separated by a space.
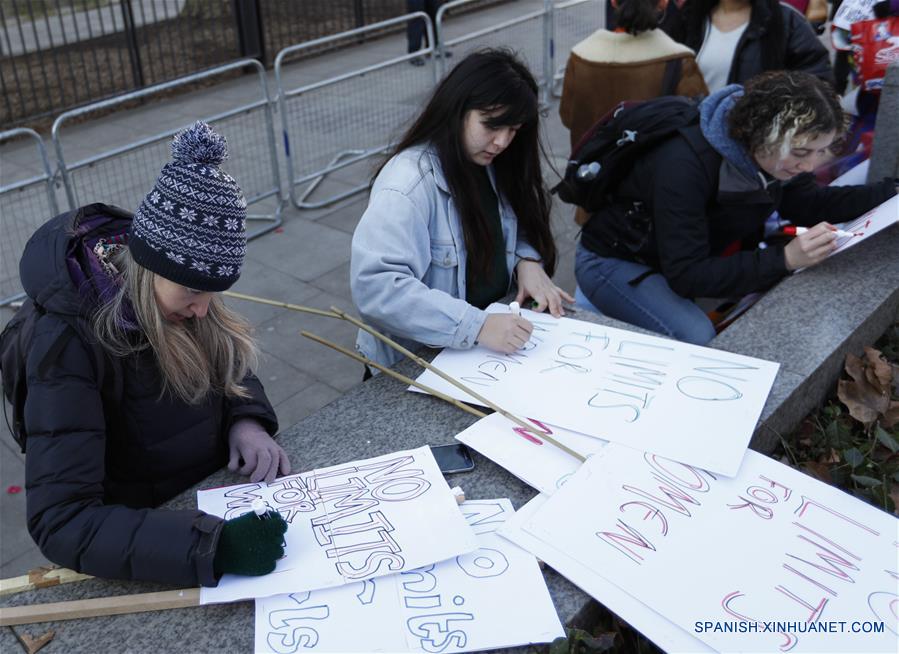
pixel 709 157
pixel 672 76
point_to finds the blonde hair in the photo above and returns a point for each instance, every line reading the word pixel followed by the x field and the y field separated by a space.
pixel 196 357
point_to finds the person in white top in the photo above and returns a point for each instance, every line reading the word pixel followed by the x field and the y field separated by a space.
pixel 738 39
pixel 728 22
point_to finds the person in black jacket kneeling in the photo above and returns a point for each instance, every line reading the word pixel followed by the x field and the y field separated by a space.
pixel 665 237
pixel 176 396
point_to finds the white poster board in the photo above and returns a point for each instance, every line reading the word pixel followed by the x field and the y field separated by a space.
pixel 867 225
pixel 347 523
pixel 667 635
pixel 492 597
pixel 647 392
pixel 526 455
pixel 770 561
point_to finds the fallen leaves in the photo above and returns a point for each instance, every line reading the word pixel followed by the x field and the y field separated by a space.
pixel 868 394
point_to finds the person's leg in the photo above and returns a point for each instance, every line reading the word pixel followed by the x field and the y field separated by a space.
pixel 582 302
pixel 650 304
pixel 415 29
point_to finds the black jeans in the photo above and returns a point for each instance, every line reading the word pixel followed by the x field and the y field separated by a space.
pixel 416 30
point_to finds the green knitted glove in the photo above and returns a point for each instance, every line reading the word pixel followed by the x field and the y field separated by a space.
pixel 250 545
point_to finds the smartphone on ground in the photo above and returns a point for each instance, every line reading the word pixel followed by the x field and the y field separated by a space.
pixel 455 457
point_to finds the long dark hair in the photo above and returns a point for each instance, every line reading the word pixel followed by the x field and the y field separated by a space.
pixel 489 80
pixel 637 16
pixel 765 13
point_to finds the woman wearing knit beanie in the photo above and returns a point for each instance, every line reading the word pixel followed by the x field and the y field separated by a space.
pixel 140 381
pixel 685 219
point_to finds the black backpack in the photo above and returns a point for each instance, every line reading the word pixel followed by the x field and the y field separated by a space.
pixel 15 343
pixel 608 150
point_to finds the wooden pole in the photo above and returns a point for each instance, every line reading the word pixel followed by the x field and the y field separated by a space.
pixel 91 608
pixel 283 305
pixel 425 364
pixel 39 578
pixel 392 373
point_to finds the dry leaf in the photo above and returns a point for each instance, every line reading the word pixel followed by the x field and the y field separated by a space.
pixel 864 404
pixel 854 367
pixel 833 458
pixel 890 416
pixel 894 494
pixel 880 368
pixel 818 470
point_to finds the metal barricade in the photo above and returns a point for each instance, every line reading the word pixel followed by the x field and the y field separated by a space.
pixel 573 21
pixel 123 175
pixel 524 34
pixel 24 206
pixel 336 122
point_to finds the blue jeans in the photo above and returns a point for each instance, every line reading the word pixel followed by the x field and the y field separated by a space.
pixel 650 304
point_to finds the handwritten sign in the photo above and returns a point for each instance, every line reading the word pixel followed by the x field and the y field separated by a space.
pixel 772 560
pixel 867 225
pixel 347 523
pixel 526 455
pixel 663 632
pixel 647 392
pixel 492 597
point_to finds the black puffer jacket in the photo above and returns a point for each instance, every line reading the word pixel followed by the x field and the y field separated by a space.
pixel 767 44
pixel 694 203
pixel 94 472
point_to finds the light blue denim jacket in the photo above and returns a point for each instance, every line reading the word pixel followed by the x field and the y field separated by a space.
pixel 407 272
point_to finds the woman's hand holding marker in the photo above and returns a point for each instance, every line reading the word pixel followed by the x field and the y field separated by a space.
pixel 533 282
pixel 811 246
pixel 505 332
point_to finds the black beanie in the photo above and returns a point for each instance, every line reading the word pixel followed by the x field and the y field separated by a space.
pixel 190 228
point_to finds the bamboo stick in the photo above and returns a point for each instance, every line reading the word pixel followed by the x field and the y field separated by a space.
pixel 39 578
pixel 90 608
pixel 392 373
pixel 425 364
pixel 283 305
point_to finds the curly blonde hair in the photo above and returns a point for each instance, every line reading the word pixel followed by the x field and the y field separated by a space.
pixel 785 109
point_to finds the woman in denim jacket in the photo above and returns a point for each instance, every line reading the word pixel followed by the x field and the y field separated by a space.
pixel 456 215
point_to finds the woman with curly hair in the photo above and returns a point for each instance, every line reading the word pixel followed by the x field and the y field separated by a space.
pixel 669 234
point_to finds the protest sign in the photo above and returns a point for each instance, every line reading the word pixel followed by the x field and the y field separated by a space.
pixel 492 597
pixel 667 635
pixel 347 523
pixel 771 560
pixel 690 403
pixel 525 454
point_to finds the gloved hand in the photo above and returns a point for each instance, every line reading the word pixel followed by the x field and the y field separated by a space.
pixel 262 457
pixel 250 545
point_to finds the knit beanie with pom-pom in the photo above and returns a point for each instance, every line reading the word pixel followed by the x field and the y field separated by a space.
pixel 190 228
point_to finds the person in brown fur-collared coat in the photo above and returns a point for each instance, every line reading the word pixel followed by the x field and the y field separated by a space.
pixel 635 62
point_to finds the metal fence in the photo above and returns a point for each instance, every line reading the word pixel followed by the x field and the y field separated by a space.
pixel 323 133
pixel 573 21
pixel 122 175
pixel 525 34
pixel 59 54
pixel 24 206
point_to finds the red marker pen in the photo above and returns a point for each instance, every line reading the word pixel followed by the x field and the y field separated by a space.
pixel 792 230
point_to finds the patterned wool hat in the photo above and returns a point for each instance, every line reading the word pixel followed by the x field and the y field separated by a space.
pixel 191 228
